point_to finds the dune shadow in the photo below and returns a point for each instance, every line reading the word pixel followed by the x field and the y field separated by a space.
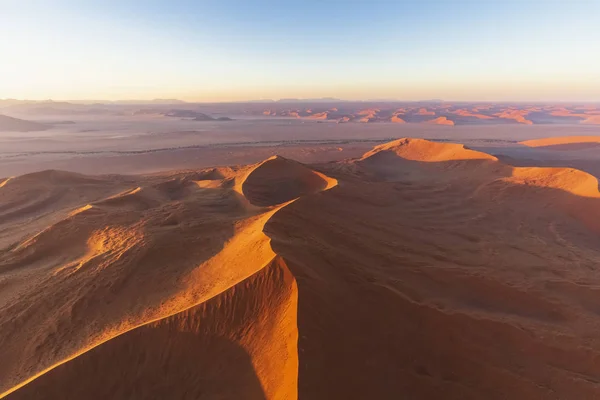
pixel 400 298
pixel 152 363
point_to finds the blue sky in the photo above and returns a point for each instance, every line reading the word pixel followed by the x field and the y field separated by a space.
pixel 238 50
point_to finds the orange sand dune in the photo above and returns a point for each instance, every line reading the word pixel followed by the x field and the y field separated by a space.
pixel 397 119
pixel 321 115
pixel 369 112
pixel 441 121
pixel 564 140
pixel 592 120
pixel 517 115
pixel 249 329
pixel 420 270
pixel 424 111
pixel 467 113
pixel 427 151
pixel 588 117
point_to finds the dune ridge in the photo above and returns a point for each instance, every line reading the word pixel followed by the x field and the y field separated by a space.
pixel 205 282
pixel 422 269
pixel 10 124
pixel 564 140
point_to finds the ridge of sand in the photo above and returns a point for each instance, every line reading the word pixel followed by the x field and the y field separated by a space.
pixel 428 151
pixel 203 283
pixel 555 141
pixel 570 180
pixel 278 180
pixel 10 124
pixel 592 120
pixel 4 182
pixel 441 121
pixel 445 283
pixel 239 322
pixel 419 159
pixel 55 177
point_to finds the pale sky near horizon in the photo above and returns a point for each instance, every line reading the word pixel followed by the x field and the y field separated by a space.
pixel 241 50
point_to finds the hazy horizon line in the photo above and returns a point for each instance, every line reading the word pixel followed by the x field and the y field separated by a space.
pixel 289 100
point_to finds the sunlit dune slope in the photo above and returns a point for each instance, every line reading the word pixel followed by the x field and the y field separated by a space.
pixel 421 270
pixel 441 121
pixel 428 151
pixel 564 142
pixel 422 159
pixel 430 289
pixel 239 344
pixel 109 265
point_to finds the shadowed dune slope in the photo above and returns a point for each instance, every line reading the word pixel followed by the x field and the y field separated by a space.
pixel 450 292
pixel 10 124
pixel 430 271
pixel 278 180
pixel 427 151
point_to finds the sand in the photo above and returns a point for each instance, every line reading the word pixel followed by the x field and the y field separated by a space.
pixel 10 124
pixel 563 143
pixel 418 270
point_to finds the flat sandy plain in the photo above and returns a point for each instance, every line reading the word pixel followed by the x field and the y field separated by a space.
pixel 157 258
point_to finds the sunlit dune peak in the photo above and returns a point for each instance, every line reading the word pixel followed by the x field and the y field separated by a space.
pixel 441 121
pixel 425 150
pixel 321 115
pixel 569 180
pixel 80 210
pixel 424 111
pixel 517 115
pixel 474 114
pixel 563 140
pixel 4 182
pixel 592 120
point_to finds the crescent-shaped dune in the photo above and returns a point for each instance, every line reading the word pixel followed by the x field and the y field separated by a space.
pixel 420 270
pixel 441 121
pixel 278 180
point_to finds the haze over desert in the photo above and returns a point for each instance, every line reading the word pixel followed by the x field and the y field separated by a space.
pixel 258 200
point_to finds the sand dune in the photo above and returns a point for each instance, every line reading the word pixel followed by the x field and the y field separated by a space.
pixel 592 120
pixel 424 111
pixel 239 344
pixel 321 115
pixel 474 114
pixel 397 119
pixel 441 121
pixel 278 180
pixel 428 151
pixel 10 124
pixel 517 115
pixel 419 270
pixel 564 141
